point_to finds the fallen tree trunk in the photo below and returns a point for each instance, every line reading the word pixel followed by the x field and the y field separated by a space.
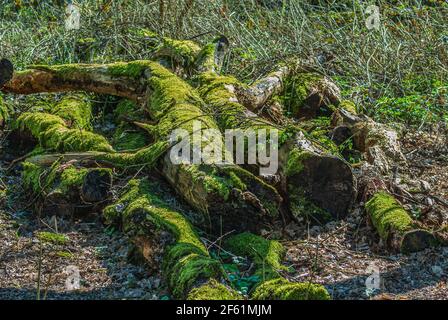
pixel 165 238
pixel 311 178
pixel 267 256
pixel 396 228
pixel 229 198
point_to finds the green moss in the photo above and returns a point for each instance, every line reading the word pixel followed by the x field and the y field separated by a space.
pixel 223 102
pixel 186 261
pixel 76 110
pixel 296 91
pixel 128 138
pixel 38 178
pixel 52 133
pixel 348 105
pixel 213 290
pixel 4 113
pixel 146 156
pixel 282 289
pixel 53 238
pixel 184 51
pixel 388 215
pixel 133 69
pixel 184 269
pixel 65 254
pixel 72 177
pixel 294 163
pixel 128 109
pixel 266 254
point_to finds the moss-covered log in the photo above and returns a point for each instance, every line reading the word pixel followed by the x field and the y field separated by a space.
pixel 121 79
pixel 395 226
pixel 267 256
pixel 63 126
pixel 307 95
pixel 317 184
pixel 230 198
pixel 67 190
pixel 304 93
pixel 166 239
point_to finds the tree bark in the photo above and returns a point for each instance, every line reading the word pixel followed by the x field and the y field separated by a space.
pixel 379 142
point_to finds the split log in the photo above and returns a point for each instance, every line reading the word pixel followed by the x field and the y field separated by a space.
pixel 395 226
pixel 319 185
pixel 229 197
pixel 164 237
pixel 266 256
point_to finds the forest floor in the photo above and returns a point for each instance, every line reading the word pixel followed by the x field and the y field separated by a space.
pixel 337 255
pixel 396 75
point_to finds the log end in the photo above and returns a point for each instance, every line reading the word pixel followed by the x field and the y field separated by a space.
pixel 96 185
pixel 417 240
pixel 325 181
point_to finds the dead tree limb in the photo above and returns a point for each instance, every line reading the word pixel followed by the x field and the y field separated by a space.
pixel 228 196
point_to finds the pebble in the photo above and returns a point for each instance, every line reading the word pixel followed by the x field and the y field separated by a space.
pixel 425 185
pixel 437 270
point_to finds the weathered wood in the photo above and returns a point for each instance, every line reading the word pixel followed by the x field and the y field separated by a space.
pixel 379 142
pixel 395 226
pixel 227 196
pixel 310 177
